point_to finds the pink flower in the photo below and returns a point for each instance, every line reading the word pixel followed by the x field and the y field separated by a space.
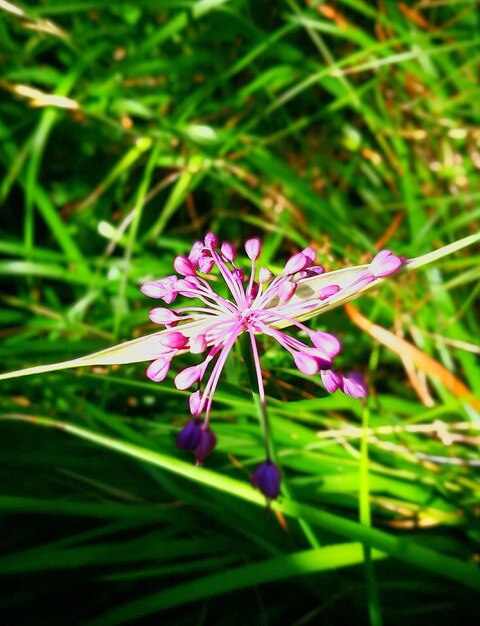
pixel 260 304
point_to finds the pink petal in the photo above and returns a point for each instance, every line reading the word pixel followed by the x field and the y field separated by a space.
pixel 158 369
pixel 187 377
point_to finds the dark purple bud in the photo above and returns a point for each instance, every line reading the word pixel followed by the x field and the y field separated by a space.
pixel 205 446
pixel 189 437
pixel 267 478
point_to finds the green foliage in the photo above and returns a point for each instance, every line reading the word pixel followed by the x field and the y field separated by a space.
pixel 127 130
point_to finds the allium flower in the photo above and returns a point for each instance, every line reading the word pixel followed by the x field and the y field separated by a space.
pixel 260 303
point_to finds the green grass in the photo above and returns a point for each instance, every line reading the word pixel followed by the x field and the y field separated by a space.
pixel 336 125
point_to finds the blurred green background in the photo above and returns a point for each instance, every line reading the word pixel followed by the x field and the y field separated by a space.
pixel 129 129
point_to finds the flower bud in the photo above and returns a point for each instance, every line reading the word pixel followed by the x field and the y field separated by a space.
pixel 198 344
pixel 189 437
pixel 266 477
pixel 183 266
pixel 174 340
pixel 286 291
pixel 264 275
pixel 331 380
pixel 252 248
pixel 326 342
pixel 385 263
pixel 160 315
pixel 195 402
pixel 354 385
pixel 207 443
pixel 228 252
pixel 211 240
pixel 187 377
pixel 158 369
pixel 295 263
pixel 306 363
pixel 196 252
pixel 205 264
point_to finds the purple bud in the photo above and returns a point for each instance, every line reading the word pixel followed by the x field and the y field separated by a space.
pixel 266 477
pixel 196 252
pixel 183 266
pixel 253 247
pixel 228 252
pixel 189 437
pixel 331 380
pixel 158 369
pixel 264 275
pixel 211 240
pixel 205 264
pixel 174 340
pixel 326 342
pixel 286 291
pixel 198 344
pixel 195 402
pixel 385 263
pixel 295 263
pixel 326 292
pixel 207 443
pixel 354 385
pixel 187 377
pixel 306 363
pixel 160 315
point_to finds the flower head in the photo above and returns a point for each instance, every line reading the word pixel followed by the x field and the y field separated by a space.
pixel 258 304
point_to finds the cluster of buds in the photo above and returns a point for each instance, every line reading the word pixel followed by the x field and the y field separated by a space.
pixel 259 303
